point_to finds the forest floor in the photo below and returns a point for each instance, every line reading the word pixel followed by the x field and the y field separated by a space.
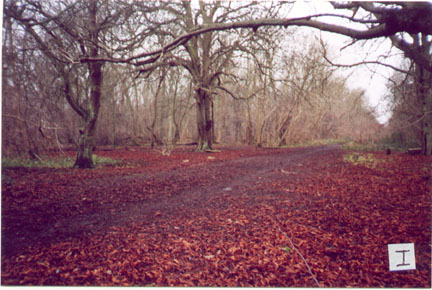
pixel 219 219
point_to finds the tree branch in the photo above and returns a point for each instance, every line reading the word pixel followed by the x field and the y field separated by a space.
pixel 411 52
pixel 375 32
pixel 359 63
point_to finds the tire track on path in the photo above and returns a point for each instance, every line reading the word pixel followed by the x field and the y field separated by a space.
pixel 195 188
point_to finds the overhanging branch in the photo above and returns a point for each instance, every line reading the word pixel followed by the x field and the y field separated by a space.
pixel 358 63
pixel 378 31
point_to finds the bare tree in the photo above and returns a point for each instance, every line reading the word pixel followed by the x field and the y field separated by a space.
pixel 206 56
pixel 410 113
pixel 31 109
pixel 383 19
pixel 82 39
pixel 64 31
pixel 420 47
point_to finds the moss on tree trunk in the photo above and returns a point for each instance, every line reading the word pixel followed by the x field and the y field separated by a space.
pixel 84 157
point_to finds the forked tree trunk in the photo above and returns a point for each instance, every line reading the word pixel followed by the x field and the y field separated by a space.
pixel 85 143
pixel 84 157
pixel 204 122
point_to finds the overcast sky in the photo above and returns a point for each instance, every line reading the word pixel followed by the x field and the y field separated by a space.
pixel 371 78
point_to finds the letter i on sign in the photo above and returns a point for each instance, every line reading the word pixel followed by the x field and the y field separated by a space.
pixel 401 257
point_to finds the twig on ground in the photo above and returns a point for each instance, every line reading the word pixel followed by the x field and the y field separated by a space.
pixel 298 252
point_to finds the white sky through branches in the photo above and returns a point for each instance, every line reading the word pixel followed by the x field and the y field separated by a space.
pixel 371 78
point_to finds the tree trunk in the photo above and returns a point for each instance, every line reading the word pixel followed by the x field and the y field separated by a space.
pixel 427 130
pixel 204 121
pixel 250 139
pixel 427 126
pixel 424 91
pixel 84 157
pixel 85 143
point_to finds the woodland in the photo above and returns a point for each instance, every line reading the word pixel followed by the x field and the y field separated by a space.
pixel 163 73
pixel 211 143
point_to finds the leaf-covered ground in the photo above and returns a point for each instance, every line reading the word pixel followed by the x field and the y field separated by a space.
pixel 222 219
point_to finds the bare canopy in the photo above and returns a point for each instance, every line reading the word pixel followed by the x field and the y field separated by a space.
pixel 382 20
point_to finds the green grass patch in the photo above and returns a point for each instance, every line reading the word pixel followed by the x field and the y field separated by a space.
pixel 287 249
pixel 360 147
pixel 51 162
pixel 364 159
pixel 105 161
pixel 320 142
pixel 55 162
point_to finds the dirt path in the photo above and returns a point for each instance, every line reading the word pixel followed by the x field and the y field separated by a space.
pixel 183 189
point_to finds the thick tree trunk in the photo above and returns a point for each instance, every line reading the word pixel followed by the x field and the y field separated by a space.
pixel 85 143
pixel 204 122
pixel 84 157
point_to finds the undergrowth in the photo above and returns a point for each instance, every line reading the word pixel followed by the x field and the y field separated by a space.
pixel 380 146
pixel 351 145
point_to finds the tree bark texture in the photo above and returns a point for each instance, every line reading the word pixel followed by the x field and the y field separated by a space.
pixel 204 121
pixel 424 92
pixel 85 143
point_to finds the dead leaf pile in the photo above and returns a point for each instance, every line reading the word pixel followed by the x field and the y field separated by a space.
pixel 179 226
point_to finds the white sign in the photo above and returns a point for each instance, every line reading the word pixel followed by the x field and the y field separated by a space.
pixel 401 257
